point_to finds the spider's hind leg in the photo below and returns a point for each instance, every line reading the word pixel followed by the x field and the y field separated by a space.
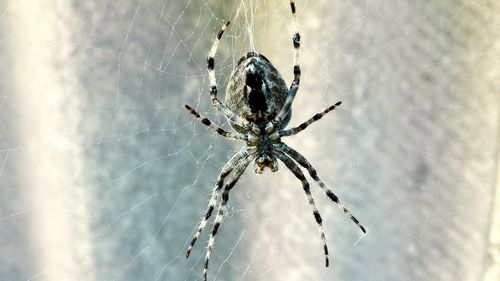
pixel 296 45
pixel 233 117
pixel 304 163
pixel 294 87
pixel 305 185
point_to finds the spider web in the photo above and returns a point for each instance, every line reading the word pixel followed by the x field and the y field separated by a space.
pixel 104 175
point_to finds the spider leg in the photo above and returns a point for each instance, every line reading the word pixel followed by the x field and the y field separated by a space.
pixel 233 117
pixel 298 129
pixel 205 121
pixel 294 87
pixel 305 185
pixel 296 46
pixel 226 170
pixel 238 171
pixel 304 163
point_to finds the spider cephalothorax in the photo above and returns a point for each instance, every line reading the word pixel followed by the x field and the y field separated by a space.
pixel 265 158
pixel 258 107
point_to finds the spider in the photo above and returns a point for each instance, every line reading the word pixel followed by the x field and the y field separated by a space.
pixel 259 109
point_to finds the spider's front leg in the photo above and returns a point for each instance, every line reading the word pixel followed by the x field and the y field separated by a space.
pixel 304 163
pixel 242 155
pixel 305 185
pixel 235 175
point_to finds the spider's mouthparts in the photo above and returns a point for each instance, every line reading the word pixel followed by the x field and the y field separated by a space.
pixel 262 163
pixel 262 169
pixel 259 169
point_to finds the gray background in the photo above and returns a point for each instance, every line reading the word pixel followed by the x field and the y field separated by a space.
pixel 103 176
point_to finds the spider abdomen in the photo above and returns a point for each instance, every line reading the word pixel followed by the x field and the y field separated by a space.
pixel 256 91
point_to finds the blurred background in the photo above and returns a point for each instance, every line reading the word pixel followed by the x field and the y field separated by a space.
pixel 103 175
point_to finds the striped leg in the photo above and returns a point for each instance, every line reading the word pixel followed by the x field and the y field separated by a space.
pixel 294 87
pixel 304 163
pixel 298 173
pixel 231 116
pixel 226 170
pixel 217 129
pixel 238 171
pixel 298 129
pixel 296 46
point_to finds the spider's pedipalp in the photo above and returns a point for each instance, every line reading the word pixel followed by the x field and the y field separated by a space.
pixel 301 127
pixel 233 163
pixel 304 163
pixel 305 185
pixel 205 121
pixel 238 171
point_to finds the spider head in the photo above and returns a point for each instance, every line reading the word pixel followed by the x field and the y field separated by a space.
pixel 264 161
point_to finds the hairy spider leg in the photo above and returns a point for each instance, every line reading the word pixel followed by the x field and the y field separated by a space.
pixel 231 116
pixel 226 171
pixel 238 171
pixel 296 46
pixel 305 185
pixel 304 163
pixel 205 121
pixel 298 129
pixel 294 87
